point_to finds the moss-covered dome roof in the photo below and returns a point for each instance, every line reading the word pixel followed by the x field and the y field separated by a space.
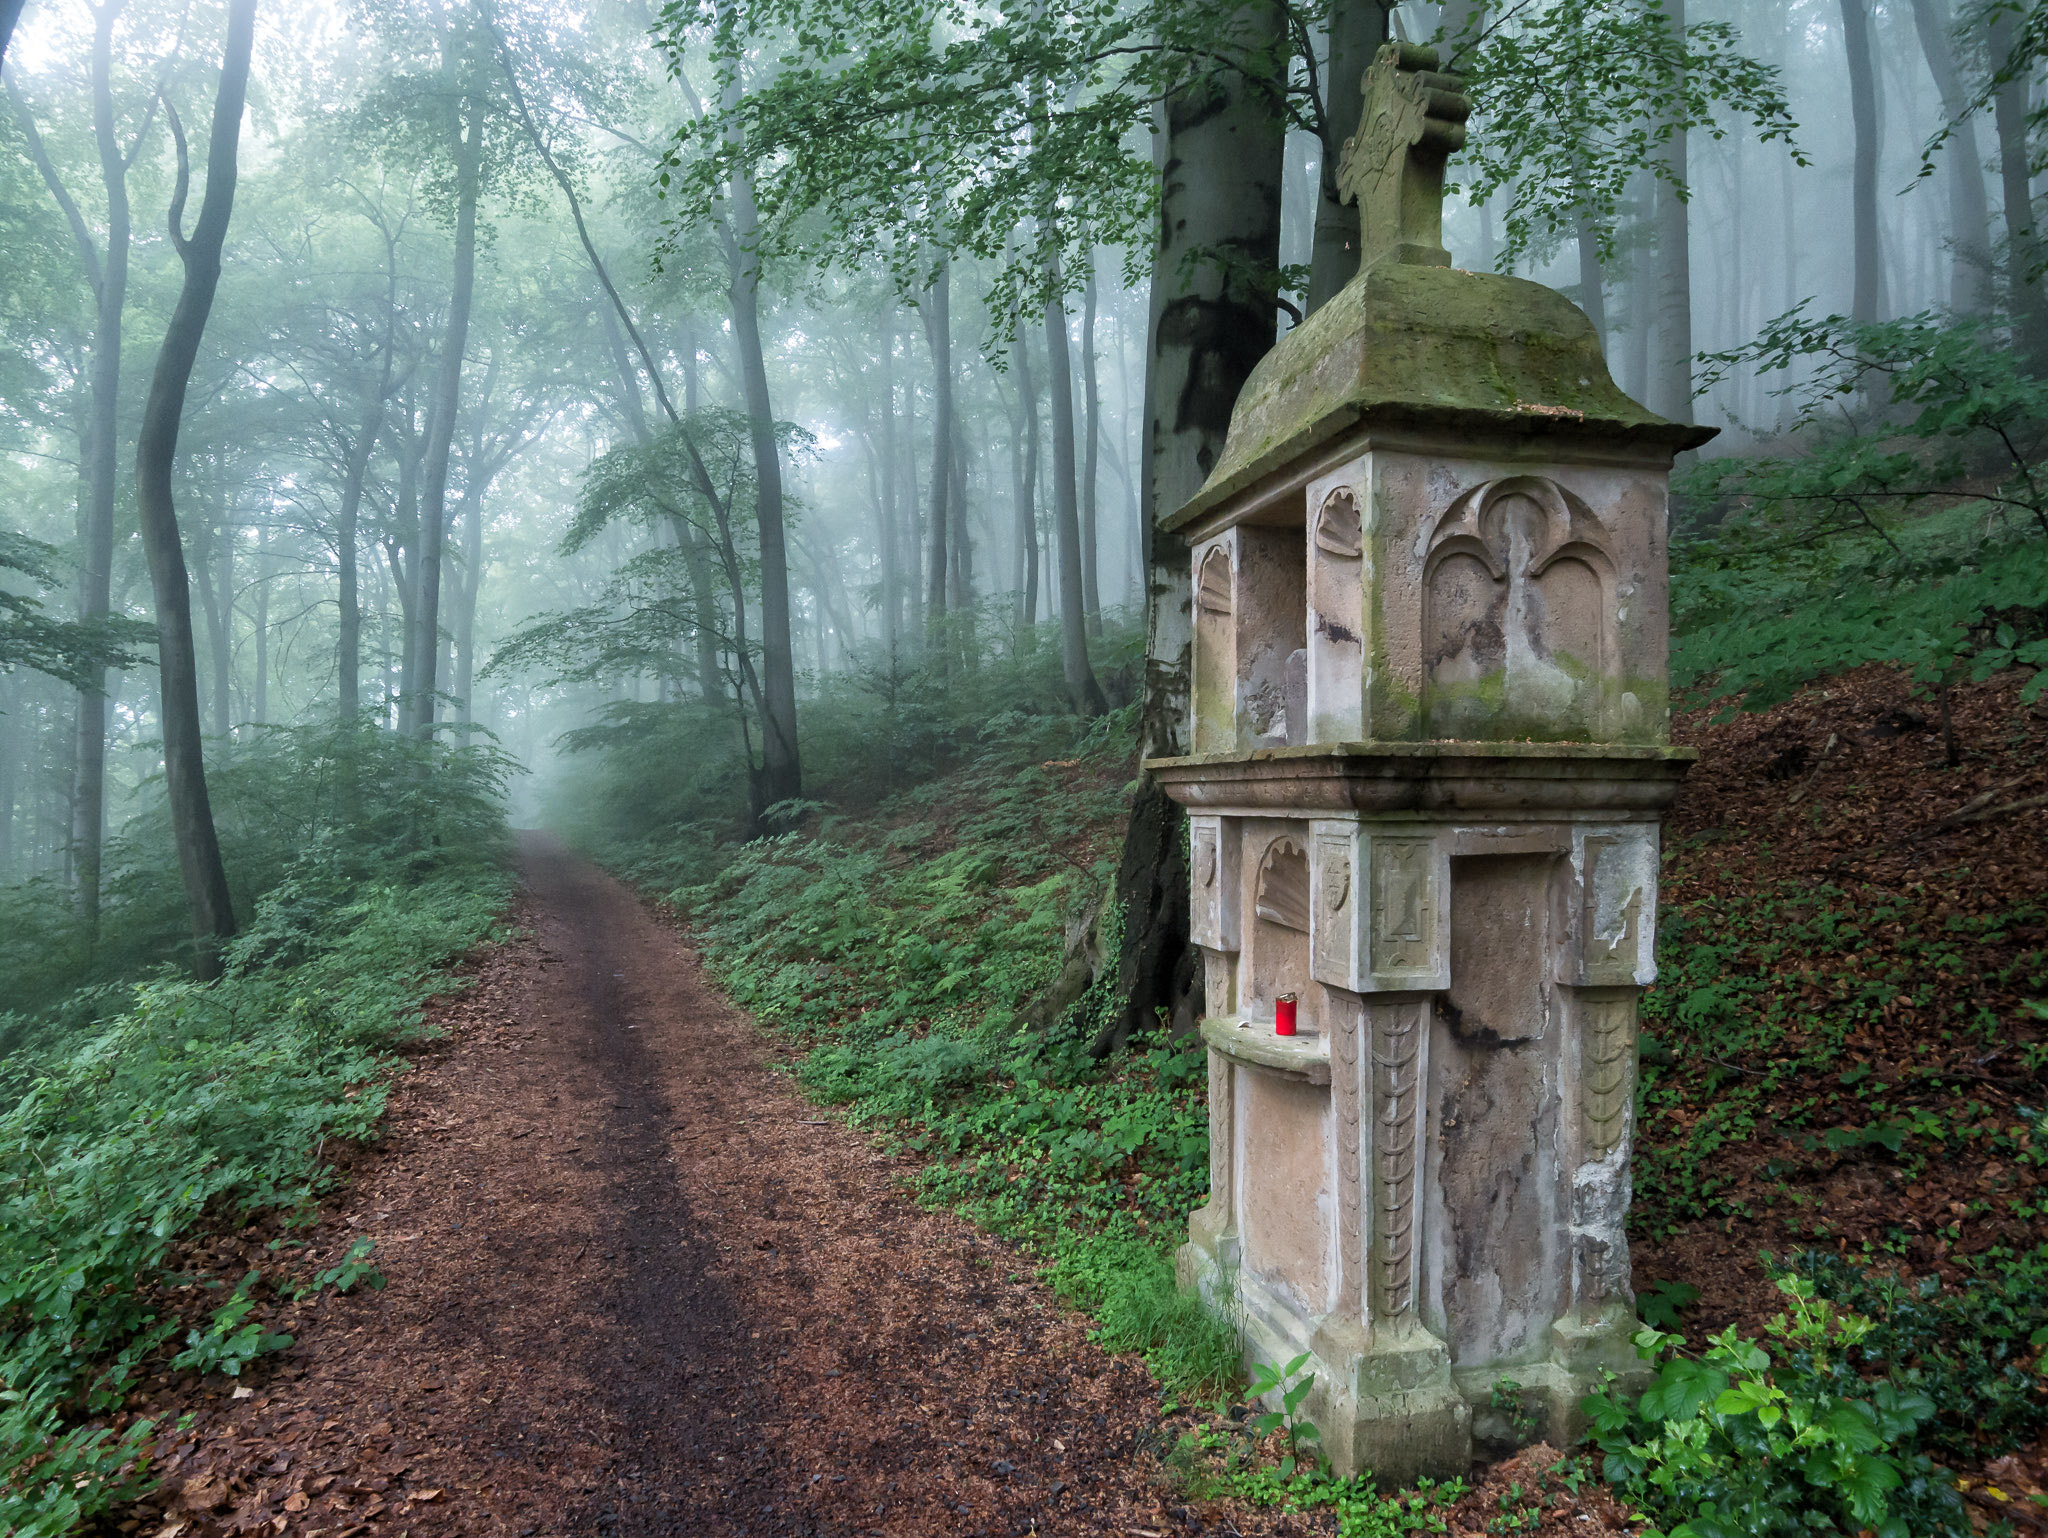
pixel 1417 345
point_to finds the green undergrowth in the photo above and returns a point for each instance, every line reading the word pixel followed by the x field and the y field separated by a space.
pixel 190 1107
pixel 902 949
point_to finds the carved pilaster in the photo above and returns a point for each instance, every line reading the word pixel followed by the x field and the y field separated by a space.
pixel 1346 1092
pixel 1222 1143
pixel 1600 1180
pixel 1398 1034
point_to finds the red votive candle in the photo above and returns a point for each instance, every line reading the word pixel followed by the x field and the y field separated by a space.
pixel 1283 1015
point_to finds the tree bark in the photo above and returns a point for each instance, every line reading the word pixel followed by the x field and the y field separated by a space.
pixel 1357 28
pixel 1027 492
pixel 1867 254
pixel 107 277
pixel 1969 212
pixel 938 331
pixel 1084 694
pixel 781 771
pixel 1592 275
pixel 1091 441
pixel 10 13
pixel 467 146
pixel 1221 145
pixel 156 450
pixel 1671 383
pixel 2028 302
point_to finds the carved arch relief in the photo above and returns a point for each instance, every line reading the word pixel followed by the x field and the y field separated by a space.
pixel 1280 927
pixel 1215 653
pixel 1519 618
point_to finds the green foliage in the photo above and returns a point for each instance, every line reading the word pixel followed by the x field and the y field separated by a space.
pixel 305 815
pixel 76 651
pixel 1730 1444
pixel 1971 1350
pixel 198 1105
pixel 887 132
pixel 1857 547
pixel 230 1340
pixel 1290 1385
pixel 1577 98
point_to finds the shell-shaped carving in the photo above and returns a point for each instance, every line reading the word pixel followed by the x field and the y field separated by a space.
pixel 1283 886
pixel 1212 593
pixel 1339 529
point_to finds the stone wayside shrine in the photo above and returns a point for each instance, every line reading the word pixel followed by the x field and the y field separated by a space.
pixel 1430 755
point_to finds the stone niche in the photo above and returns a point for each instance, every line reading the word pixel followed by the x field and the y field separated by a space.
pixel 1430 754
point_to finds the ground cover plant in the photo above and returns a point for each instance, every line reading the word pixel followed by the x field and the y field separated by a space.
pixel 180 1108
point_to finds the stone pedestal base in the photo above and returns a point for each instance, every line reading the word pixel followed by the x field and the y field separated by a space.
pixel 1388 1401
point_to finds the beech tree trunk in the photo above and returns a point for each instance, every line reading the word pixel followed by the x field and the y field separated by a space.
pixel 781 776
pixel 156 450
pixel 426 644
pixel 938 331
pixel 1357 28
pixel 1027 492
pixel 10 13
pixel 1084 694
pixel 2029 304
pixel 1866 294
pixel 1221 145
pixel 1592 274
pixel 1969 211
pixel 1671 376
pixel 1091 442
pixel 98 466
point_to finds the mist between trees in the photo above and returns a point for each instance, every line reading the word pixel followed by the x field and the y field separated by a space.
pixel 732 407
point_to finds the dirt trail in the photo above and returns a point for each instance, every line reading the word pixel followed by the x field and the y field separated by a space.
pixel 638 1285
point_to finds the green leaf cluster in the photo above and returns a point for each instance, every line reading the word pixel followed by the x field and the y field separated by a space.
pixel 1733 1443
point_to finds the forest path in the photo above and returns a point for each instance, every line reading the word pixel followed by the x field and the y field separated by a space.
pixel 638 1285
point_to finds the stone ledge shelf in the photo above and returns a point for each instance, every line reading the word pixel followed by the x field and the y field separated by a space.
pixel 1305 1057
pixel 1521 777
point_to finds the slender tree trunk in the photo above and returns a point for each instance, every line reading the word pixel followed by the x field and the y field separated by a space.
pixel 426 647
pixel 1671 384
pixel 938 328
pixel 2009 108
pixel 1034 474
pixel 1221 145
pixel 98 449
pixel 217 593
pixel 259 686
pixel 1084 694
pixel 1091 444
pixel 1969 212
pixel 1592 273
pixel 1868 257
pixel 156 451
pixel 885 498
pixel 1357 28
pixel 782 772
pixel 349 630
pixel 468 590
pixel 10 13
pixel 401 550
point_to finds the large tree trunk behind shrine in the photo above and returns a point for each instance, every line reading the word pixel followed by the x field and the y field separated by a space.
pixel 1221 142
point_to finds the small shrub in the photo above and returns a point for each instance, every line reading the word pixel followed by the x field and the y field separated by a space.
pixel 1730 1444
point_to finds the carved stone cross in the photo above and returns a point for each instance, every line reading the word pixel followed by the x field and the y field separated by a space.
pixel 1394 165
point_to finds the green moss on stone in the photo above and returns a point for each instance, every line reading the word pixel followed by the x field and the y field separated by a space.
pixel 1428 345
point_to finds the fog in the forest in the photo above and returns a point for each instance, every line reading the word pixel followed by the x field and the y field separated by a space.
pixel 314 435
